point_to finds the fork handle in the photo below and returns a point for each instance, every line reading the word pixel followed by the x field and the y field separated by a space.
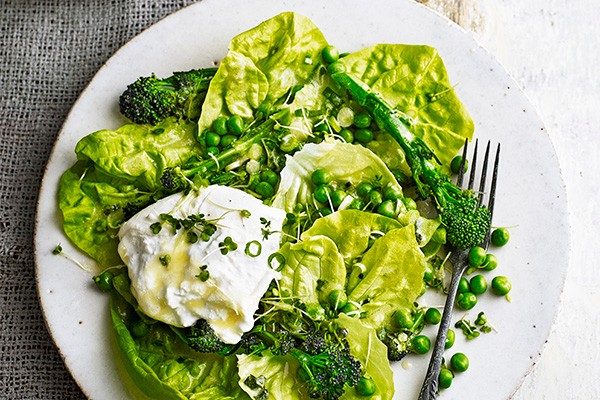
pixel 429 390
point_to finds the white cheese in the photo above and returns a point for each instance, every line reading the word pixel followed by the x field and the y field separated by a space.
pixel 174 293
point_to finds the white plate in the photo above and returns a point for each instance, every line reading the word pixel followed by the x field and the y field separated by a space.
pixel 531 192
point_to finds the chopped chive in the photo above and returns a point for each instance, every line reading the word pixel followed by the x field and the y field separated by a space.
pixel 253 248
pixel 279 258
pixel 156 227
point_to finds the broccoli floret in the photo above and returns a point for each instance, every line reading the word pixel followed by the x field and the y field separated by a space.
pixel 150 99
pixel 202 337
pixel 396 343
pixel 327 366
pixel 466 223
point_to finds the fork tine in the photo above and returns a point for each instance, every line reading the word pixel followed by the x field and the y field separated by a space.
pixel 483 174
pixel 461 170
pixel 473 164
pixel 492 193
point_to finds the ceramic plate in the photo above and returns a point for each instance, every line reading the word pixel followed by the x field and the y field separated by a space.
pixel 531 195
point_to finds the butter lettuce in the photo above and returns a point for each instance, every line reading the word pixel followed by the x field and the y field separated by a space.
pixel 262 65
pixel 118 172
pixel 166 368
pixel 413 79
pixel 345 163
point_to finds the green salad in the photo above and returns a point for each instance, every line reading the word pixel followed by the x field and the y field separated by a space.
pixel 266 228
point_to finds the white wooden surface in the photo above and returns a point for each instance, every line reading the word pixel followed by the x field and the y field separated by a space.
pixel 552 49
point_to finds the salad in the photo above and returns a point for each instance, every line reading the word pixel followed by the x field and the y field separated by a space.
pixel 266 228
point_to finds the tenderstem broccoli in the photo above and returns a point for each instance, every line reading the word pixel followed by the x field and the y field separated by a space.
pixel 466 223
pixel 150 99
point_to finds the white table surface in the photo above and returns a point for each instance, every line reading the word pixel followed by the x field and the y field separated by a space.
pixel 552 49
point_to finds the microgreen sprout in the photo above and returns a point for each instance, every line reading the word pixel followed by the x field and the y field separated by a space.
pixel 227 245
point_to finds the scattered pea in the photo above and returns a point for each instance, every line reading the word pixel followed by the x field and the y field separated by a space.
pixel 337 299
pixel 476 256
pixel 455 164
pixel 356 204
pixel 212 139
pixel 463 285
pixel 478 284
pixel 450 338
pixel 459 362
pixel 220 126
pixel 236 125
pixel 421 344
pixel 490 263
pixel 501 285
pixel 402 318
pixel 466 300
pixel 375 197
pixel 365 386
pixel 500 237
pixel 227 140
pixel 362 120
pixel 330 54
pixel 363 189
pixel 322 193
pixel 347 135
pixel 387 208
pixel 104 281
pixel 446 377
pixel 337 197
pixel 264 190
pixel 363 136
pixel 392 192
pixel 433 316
pixel 212 150
pixel 270 177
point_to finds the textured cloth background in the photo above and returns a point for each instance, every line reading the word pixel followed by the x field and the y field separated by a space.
pixel 49 51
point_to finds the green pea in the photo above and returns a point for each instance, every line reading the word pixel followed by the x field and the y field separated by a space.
pixel 466 300
pixel 478 284
pixel 387 208
pixel 439 236
pixel 450 338
pixel 501 285
pixel 410 204
pixel 463 285
pixel 490 263
pixel 500 237
pixel 392 192
pixel 362 120
pixel 321 126
pixel 320 177
pixel 228 140
pixel 337 197
pixel 104 281
pixel 349 308
pixel 364 136
pixel 365 386
pixel 220 126
pixel 446 377
pixel 347 135
pixel 236 125
pixel 476 256
pixel 322 193
pixel 363 189
pixel 325 211
pixel 455 164
pixel 375 197
pixel 402 318
pixel 330 54
pixel 270 177
pixel 139 329
pixel 421 344
pixel 336 67
pixel 433 316
pixel 212 150
pixel 264 190
pixel 337 299
pixel 356 204
pixel 212 139
pixel 459 362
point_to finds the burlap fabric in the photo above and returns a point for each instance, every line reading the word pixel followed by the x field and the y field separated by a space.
pixel 49 51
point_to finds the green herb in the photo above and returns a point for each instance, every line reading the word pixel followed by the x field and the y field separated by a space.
pixel 165 260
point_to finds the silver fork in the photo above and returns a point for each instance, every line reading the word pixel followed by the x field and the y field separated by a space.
pixel 459 261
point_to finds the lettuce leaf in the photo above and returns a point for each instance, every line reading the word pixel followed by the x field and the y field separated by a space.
pixel 413 79
pixel 366 347
pixel 262 65
pixel 165 368
pixel 118 172
pixel 345 163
